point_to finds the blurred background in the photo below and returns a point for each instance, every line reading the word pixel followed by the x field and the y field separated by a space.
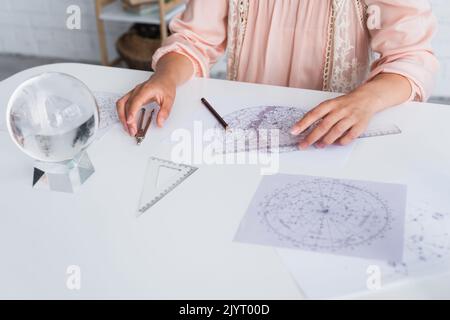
pixel 124 33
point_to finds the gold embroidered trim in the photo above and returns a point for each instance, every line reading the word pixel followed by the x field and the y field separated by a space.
pixel 361 10
pixel 340 72
pixel 238 15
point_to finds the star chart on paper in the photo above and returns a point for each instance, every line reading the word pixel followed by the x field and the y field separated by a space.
pixel 426 252
pixel 106 103
pixel 339 216
pixel 427 239
pixel 249 125
pixel 252 127
pixel 325 215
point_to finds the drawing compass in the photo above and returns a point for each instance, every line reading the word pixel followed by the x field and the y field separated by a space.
pixel 142 131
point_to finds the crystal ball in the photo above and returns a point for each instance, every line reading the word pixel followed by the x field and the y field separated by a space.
pixel 52 117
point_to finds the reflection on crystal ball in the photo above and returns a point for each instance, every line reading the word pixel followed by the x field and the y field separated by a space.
pixel 52 117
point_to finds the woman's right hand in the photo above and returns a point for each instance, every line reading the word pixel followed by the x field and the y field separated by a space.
pixel 158 89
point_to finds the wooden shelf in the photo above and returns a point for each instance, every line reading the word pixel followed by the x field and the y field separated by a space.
pixel 111 10
pixel 114 12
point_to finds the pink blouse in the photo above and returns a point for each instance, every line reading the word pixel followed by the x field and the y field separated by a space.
pixel 313 44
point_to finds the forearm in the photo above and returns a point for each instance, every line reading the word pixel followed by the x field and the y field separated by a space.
pixel 384 91
pixel 175 68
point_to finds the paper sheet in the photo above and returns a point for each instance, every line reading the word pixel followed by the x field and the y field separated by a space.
pixel 342 217
pixel 251 120
pixel 426 250
pixel 107 110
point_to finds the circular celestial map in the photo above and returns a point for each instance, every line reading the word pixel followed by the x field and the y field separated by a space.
pixel 325 215
pixel 254 129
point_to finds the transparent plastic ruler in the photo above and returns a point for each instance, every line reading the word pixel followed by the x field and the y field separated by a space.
pixel 289 143
pixel 161 178
pixel 381 130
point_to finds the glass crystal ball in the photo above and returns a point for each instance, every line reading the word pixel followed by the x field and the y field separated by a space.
pixel 52 117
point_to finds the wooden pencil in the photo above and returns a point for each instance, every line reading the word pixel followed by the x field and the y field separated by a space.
pixel 214 113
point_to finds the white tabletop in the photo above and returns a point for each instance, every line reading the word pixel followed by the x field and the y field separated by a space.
pixel 183 248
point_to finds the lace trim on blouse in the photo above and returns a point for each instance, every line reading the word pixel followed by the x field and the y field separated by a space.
pixel 237 25
pixel 342 73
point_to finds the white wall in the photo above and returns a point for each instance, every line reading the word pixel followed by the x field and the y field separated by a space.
pixel 37 27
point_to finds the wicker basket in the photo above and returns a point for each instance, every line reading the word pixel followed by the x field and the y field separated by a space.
pixel 137 51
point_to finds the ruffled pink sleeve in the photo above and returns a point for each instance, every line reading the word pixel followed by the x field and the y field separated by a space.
pixel 404 43
pixel 199 33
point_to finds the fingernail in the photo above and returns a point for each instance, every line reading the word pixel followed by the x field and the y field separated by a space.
pixel 303 145
pixel 295 131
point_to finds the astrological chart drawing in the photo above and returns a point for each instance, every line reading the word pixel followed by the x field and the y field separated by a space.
pixel 106 102
pixel 251 127
pixel 426 252
pixel 340 215
pixel 254 128
pixel 354 218
pixel 427 240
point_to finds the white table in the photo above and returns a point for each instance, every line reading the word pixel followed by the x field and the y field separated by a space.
pixel 183 248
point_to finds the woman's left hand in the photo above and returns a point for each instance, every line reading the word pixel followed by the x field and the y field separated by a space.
pixel 341 120
pixel 345 118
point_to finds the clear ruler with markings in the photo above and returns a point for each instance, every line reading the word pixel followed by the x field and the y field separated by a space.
pixel 381 130
pixel 161 178
pixel 290 144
